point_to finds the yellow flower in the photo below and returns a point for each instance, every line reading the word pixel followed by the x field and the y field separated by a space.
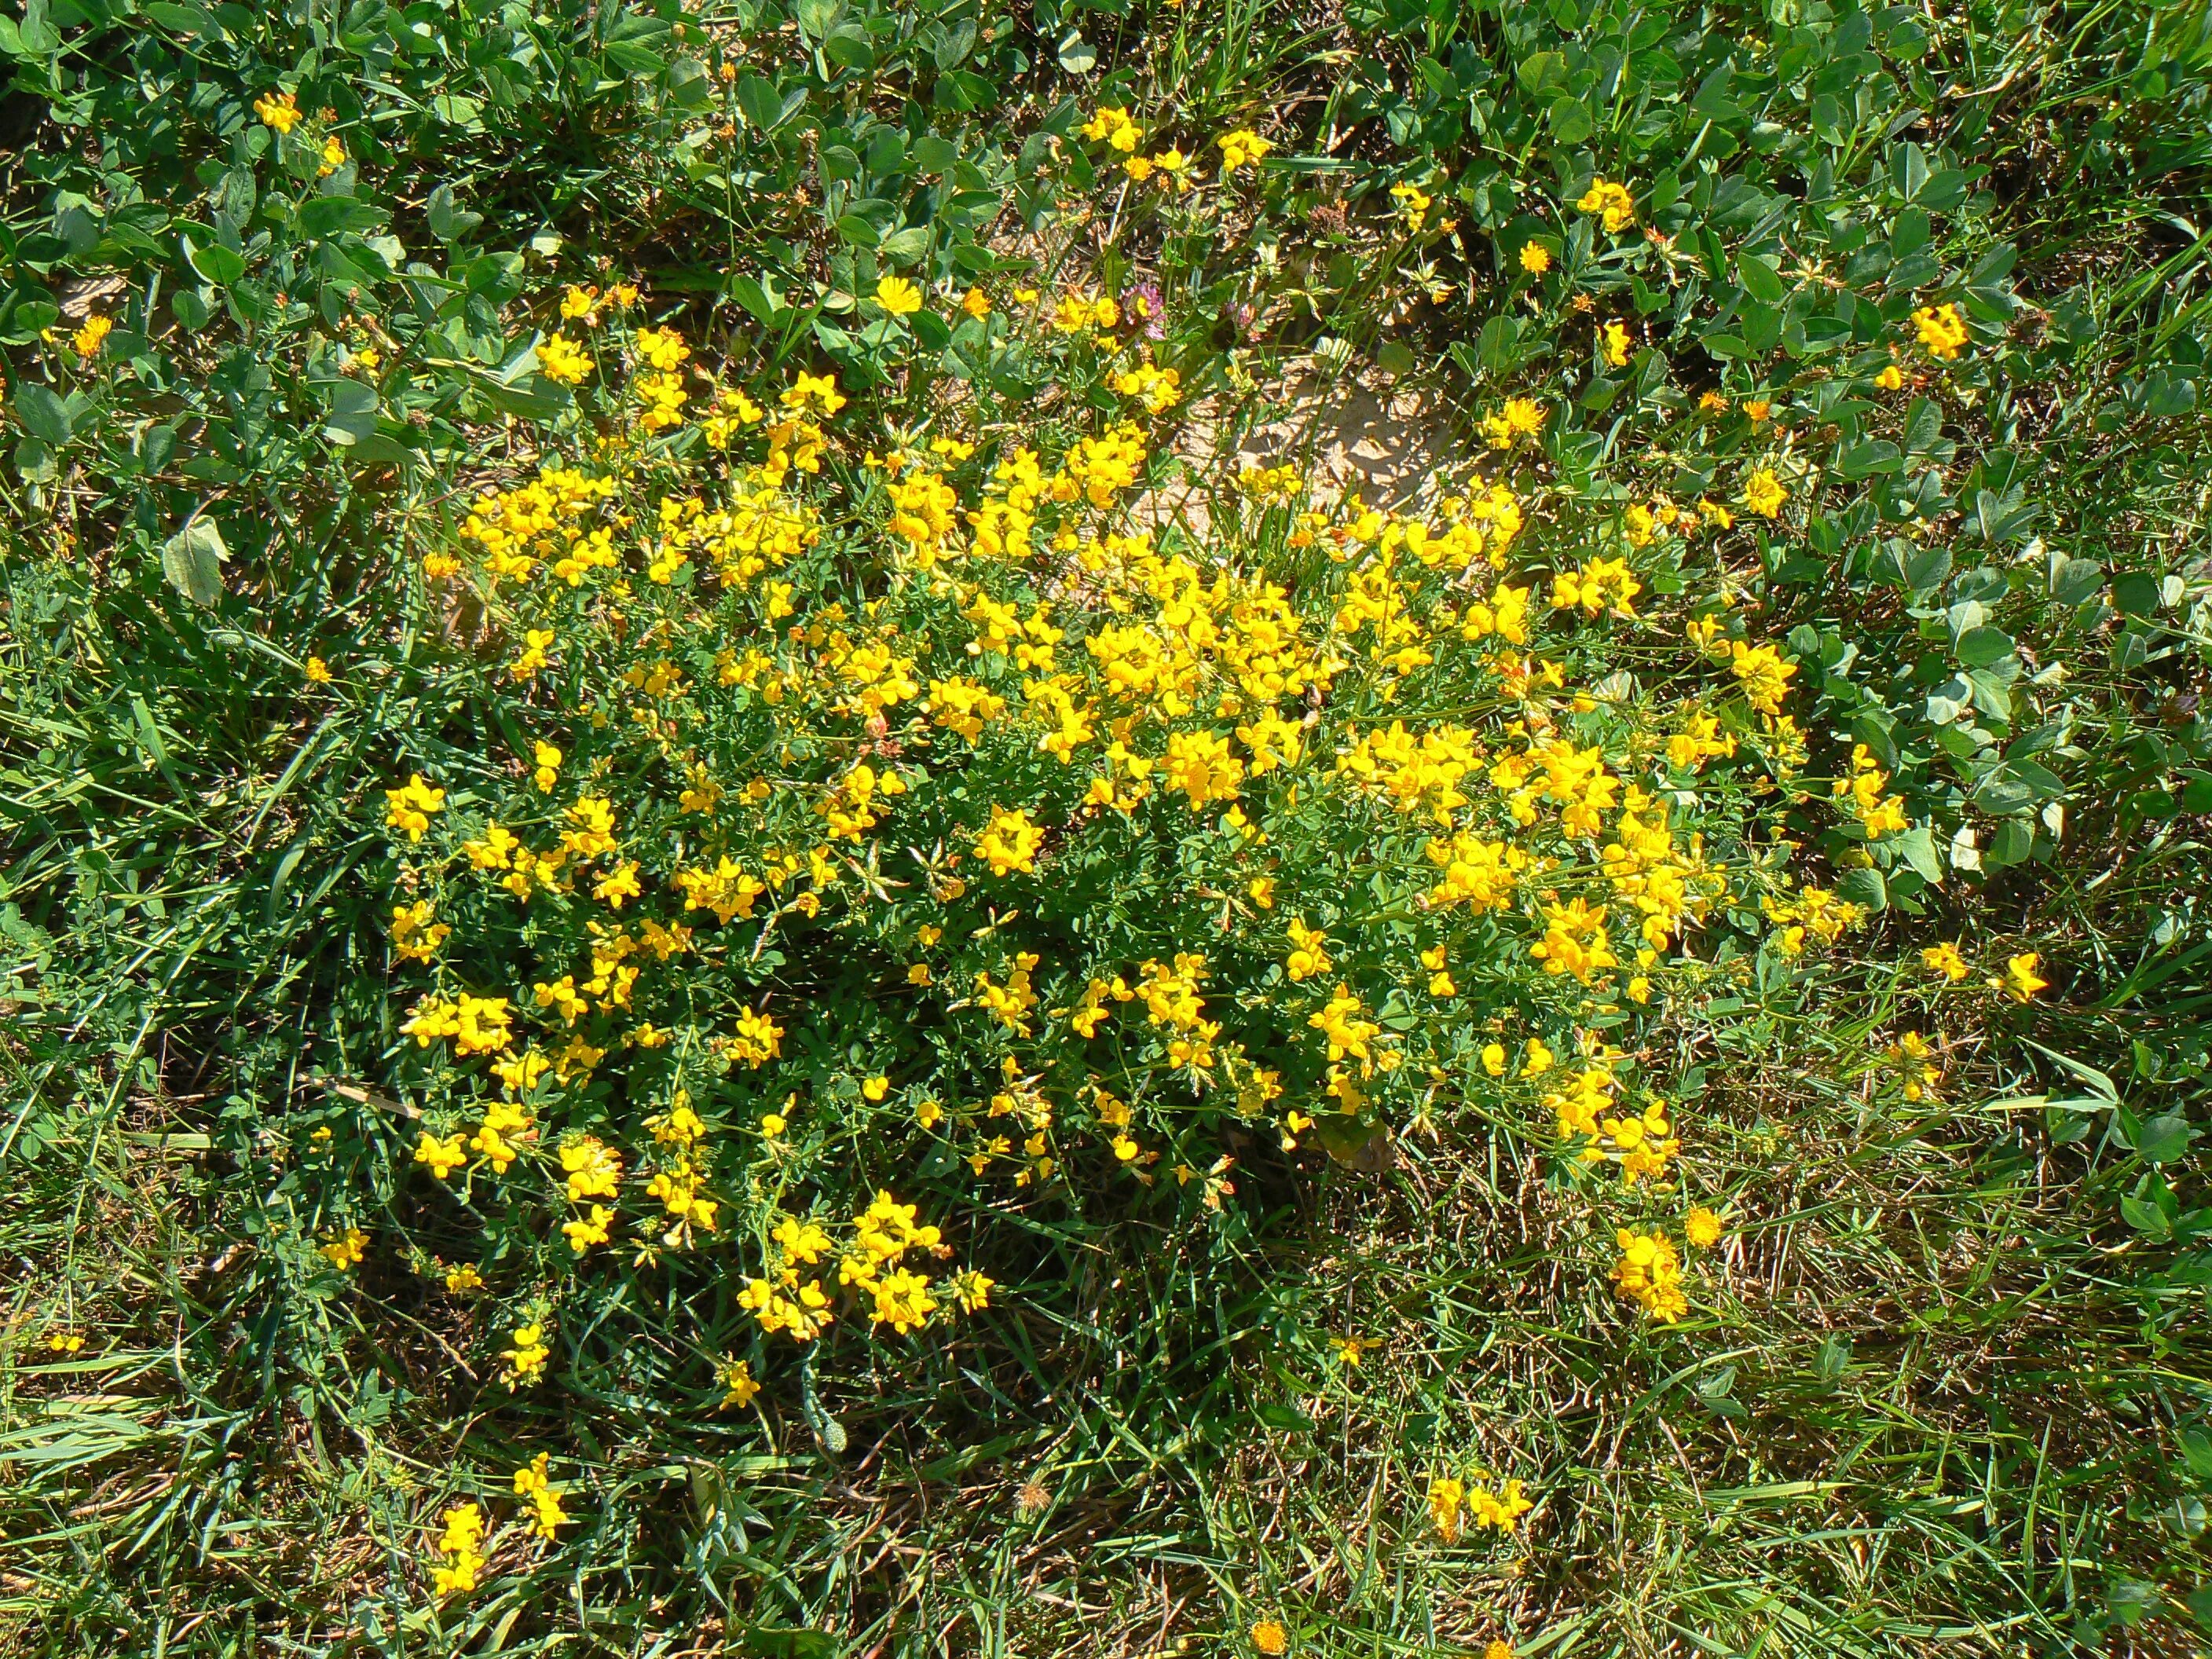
pixel 592 1169
pixel 562 360
pixel 1702 1227
pixel 757 1039
pixel 409 806
pixel 1536 259
pixel 1942 329
pixel 2020 980
pixel 86 341
pixel 898 296
pixel 1309 953
pixel 530 1482
pixel 975 303
pixel 319 671
pixel 1112 124
pixel 1009 842
pixel 1763 493
pixel 1613 342
pixel 278 109
pixel 1500 1511
pixel 875 1088
pixel 1944 959
pixel 617 886
pixel 441 1155
pixel 1610 202
pixel 346 1248
pixel 1241 148
pixel 815 393
pixel 1270 1637
pixel 1891 378
pixel 333 158
pixel 586 1231
pixel 738 1381
pixel 1446 1496
pixel 527 1359
pixel 1764 672
pixel 460 1545
pixel 1649 1272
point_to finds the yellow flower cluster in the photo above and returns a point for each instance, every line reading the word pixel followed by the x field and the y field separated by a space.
pixel 461 1544
pixel 1861 795
pixel 1941 331
pixel 874 1262
pixel 531 1482
pixel 1649 1274
pixel 1609 202
pixel 1454 1502
pixel 1333 787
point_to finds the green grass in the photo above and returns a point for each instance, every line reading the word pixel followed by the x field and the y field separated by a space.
pixel 1944 1387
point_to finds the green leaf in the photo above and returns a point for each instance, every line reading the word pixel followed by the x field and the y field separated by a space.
pixel 2017 786
pixel 2164 1139
pixel 1540 70
pixel 847 47
pixel 1925 567
pixel 1917 847
pixel 761 295
pixel 448 223
pixel 2146 1219
pixel 1077 55
pixel 43 414
pixel 533 397
pixel 780 1642
pixel 1908 170
pixel 192 560
pixel 35 35
pixel 761 103
pixel 688 83
pixel 903 247
pixel 1982 647
pixel 1863 460
pixel 352 414
pixel 1500 344
pixel 329 215
pixel 215 263
pixel 932 330
pixel 2014 841
pixel 1760 278
pixel 1570 120
pixel 1864 887
pixel 818 17
pixel 2076 580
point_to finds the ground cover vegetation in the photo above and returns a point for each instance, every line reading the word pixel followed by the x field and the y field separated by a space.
pixel 746 909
